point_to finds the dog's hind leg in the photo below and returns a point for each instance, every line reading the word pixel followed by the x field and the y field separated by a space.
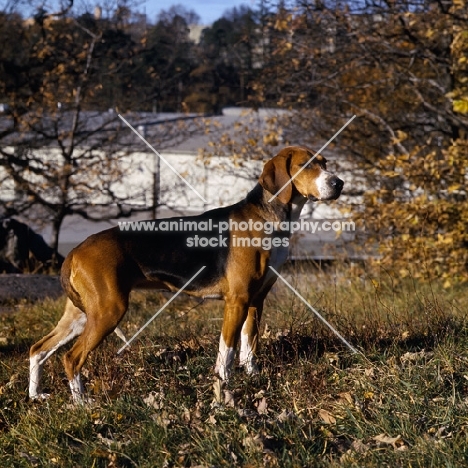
pixel 109 312
pixel 70 326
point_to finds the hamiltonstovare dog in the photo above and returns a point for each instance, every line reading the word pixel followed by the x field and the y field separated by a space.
pixel 99 274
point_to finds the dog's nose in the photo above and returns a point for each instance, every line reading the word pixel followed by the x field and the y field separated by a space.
pixel 337 183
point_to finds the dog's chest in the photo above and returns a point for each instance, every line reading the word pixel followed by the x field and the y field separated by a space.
pixel 278 256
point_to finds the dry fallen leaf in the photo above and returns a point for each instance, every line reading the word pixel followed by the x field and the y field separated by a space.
pixel 246 413
pixel 440 433
pixel 154 399
pixel 229 398
pixel 262 406
pixel 217 386
pixel 259 395
pixel 414 357
pixel 327 417
pixel 332 358
pixel 396 442
pixel 359 446
pixel 187 415
pixel 254 443
pixel 13 379
pixel 266 332
pixel 212 420
pixel 285 416
pixel 111 442
pixel 345 397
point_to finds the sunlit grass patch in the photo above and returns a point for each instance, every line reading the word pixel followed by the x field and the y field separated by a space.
pixel 403 402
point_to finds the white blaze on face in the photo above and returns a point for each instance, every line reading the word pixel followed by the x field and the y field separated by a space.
pixel 323 184
pixel 225 360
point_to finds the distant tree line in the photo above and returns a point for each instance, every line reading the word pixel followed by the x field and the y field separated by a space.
pixel 136 65
pixel 400 66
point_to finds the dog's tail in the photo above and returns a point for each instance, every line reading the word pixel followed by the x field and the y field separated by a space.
pixel 67 285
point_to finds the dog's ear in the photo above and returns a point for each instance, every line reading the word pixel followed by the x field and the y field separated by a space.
pixel 275 175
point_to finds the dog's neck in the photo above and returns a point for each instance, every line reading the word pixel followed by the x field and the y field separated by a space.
pixel 277 210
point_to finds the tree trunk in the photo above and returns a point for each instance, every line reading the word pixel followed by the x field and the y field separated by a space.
pixel 56 227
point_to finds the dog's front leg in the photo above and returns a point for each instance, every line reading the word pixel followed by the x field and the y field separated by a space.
pixel 235 313
pixel 249 340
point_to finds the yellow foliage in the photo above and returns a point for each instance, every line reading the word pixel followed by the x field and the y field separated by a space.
pixel 421 230
pixel 461 106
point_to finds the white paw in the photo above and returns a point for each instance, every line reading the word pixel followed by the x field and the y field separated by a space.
pixel 81 399
pixel 40 396
pixel 223 373
pixel 251 368
pixel 225 360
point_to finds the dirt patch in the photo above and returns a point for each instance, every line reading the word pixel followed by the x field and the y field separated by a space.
pixel 31 287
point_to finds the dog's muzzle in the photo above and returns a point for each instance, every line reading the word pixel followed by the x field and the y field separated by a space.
pixel 337 186
pixel 330 188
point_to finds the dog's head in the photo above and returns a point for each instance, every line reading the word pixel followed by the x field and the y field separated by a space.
pixel 295 171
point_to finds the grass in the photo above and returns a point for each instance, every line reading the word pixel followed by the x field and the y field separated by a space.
pixel 404 403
